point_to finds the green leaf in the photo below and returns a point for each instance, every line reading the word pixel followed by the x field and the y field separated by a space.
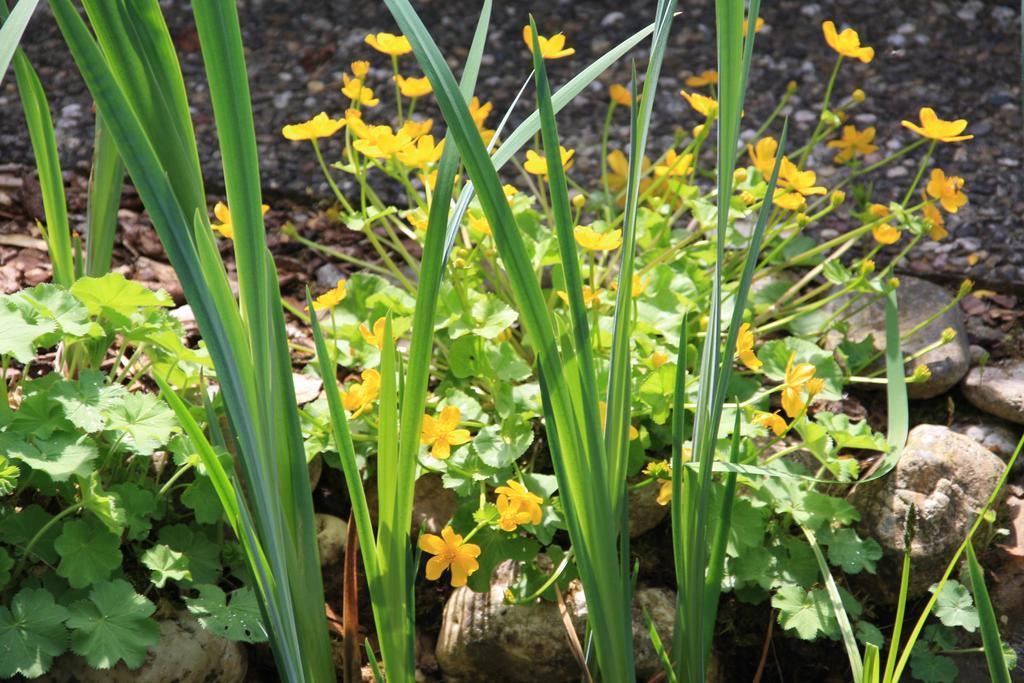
pixel 201 498
pixel 235 618
pixel 60 457
pixel 848 434
pixel 113 624
pixel 32 633
pixel 116 297
pixel 932 668
pixel 55 304
pixel 146 421
pixel 802 611
pixel 166 564
pixel 88 552
pixel 776 354
pixel 203 555
pixel 488 317
pixel 12 30
pixel 17 527
pixel 87 399
pixel 6 562
pixel 498 446
pixel 20 333
pixel 955 606
pixel 139 505
pixel 852 553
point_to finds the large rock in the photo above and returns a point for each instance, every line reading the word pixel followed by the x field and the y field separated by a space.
pixel 186 653
pixel 918 300
pixel 996 435
pixel 433 505
pixel 998 389
pixel 948 478
pixel 645 512
pixel 331 537
pixel 485 639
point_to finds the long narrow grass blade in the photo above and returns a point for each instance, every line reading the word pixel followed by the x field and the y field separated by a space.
pixel 14 24
pixel 51 181
pixel 586 514
pixel 872 659
pixel 137 44
pixel 838 609
pixel 105 180
pixel 720 541
pixel 619 374
pixel 990 639
pixel 901 602
pixel 679 547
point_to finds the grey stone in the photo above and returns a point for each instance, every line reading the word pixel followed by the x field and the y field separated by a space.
pixel 186 653
pixel 948 478
pixel 644 511
pixel 998 389
pixel 483 638
pixel 331 536
pixel 994 435
pixel 433 505
pixel 918 300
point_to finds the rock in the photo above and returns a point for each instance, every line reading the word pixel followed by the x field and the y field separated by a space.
pixel 307 388
pixel 994 435
pixel 644 511
pixel 186 653
pixel 433 505
pixel 331 536
pixel 948 478
pixel 918 300
pixel 316 469
pixel 482 638
pixel 998 389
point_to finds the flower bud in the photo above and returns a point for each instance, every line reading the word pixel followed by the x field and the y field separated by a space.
pixel 921 373
pixel 894 282
pixel 838 197
pixel 859 95
pixel 739 175
pixel 948 335
pixel 747 198
pixel 698 130
pixel 802 219
pixel 965 287
pixel 791 86
pixel 830 118
pixel 867 267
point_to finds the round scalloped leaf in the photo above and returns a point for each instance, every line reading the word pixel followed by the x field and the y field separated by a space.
pixel 113 624
pixel 32 633
pixel 88 552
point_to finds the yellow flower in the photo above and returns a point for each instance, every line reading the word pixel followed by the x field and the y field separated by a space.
pixel 762 155
pixel 709 77
pixel 879 210
pixel 330 298
pixel 536 164
pixel 796 377
pixel 772 421
pixel 847 43
pixel 590 296
pixel 947 190
pixel 320 126
pixel 226 227
pixel 528 503
pixel 706 106
pixel 478 222
pixel 376 337
pixel 389 43
pixel 758 25
pixel 415 129
pixel 618 171
pixel 886 234
pixel 442 432
pixel 938 223
pixel 479 111
pixel 854 143
pixel 357 92
pixel 674 165
pixel 658 359
pixel 413 87
pixel 510 515
pixel 602 407
pixel 620 95
pixel 361 395
pixel 790 176
pixel 934 128
pixel 422 153
pixel 745 348
pixel 637 285
pixel 591 240
pixel 550 48
pixel 450 552
pixel 360 68
pixel 815 386
pixel 790 201
pixel 381 142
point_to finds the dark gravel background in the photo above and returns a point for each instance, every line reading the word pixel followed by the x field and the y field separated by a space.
pixel 962 58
